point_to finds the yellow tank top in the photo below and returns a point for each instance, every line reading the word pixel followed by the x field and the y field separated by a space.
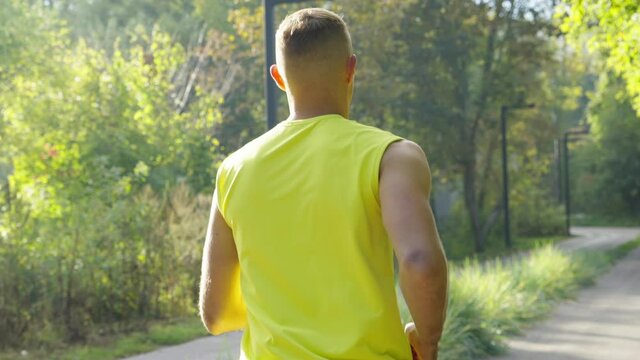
pixel 316 268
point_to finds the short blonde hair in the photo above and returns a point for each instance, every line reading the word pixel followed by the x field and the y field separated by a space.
pixel 308 30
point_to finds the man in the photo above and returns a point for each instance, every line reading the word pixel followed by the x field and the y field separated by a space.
pixel 297 252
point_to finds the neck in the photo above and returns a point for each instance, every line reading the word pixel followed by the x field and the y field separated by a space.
pixel 313 106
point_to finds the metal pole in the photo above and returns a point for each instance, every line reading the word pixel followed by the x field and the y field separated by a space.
pixel 557 150
pixel 505 177
pixel 567 195
pixel 270 58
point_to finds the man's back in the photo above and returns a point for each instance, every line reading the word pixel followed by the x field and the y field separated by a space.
pixel 316 266
pixel 298 231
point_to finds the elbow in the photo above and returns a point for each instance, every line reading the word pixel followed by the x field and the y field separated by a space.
pixel 427 263
pixel 219 317
pixel 209 312
pixel 209 319
pixel 218 322
pixel 211 323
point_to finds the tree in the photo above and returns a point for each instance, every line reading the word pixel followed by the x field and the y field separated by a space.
pixel 612 28
pixel 607 169
pixel 467 59
pixel 95 142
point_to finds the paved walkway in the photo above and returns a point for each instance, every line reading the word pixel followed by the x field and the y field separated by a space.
pixel 223 347
pixel 598 238
pixel 603 324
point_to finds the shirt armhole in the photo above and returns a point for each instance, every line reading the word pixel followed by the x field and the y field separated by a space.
pixel 380 151
pixel 221 192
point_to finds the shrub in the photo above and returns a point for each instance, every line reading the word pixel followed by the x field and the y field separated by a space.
pixel 122 262
pixel 538 215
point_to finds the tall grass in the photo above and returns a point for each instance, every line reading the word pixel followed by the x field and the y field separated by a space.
pixel 492 300
pixel 158 334
pixel 488 302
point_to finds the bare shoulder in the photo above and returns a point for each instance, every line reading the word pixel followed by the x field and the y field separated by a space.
pixel 404 167
pixel 404 154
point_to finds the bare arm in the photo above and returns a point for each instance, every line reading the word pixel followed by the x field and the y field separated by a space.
pixel 405 184
pixel 221 307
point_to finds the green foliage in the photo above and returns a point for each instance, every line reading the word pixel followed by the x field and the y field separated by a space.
pixel 607 172
pixel 490 301
pixel 131 259
pixel 102 22
pixel 114 115
pixel 458 70
pixel 534 211
pixel 538 215
pixel 108 347
pixel 99 223
pixel 534 220
pixel 26 41
pixel 613 31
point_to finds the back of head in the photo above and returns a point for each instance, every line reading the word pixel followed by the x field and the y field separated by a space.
pixel 312 41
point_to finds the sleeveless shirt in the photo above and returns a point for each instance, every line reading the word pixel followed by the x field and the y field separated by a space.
pixel 316 274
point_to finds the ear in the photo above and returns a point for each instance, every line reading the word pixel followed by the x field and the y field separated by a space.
pixel 277 77
pixel 351 68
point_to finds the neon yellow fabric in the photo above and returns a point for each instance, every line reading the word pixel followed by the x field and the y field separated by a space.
pixel 316 268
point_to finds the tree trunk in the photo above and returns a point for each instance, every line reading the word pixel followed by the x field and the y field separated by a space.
pixel 471 202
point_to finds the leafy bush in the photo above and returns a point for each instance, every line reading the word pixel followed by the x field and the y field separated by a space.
pixel 539 216
pixel 135 258
pixel 98 221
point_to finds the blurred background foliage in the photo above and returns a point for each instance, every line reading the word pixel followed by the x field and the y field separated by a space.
pixel 115 114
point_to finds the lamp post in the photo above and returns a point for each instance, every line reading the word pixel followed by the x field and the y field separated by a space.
pixel 557 156
pixel 505 170
pixel 567 194
pixel 270 58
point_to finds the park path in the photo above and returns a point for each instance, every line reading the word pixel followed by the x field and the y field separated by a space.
pixel 605 319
